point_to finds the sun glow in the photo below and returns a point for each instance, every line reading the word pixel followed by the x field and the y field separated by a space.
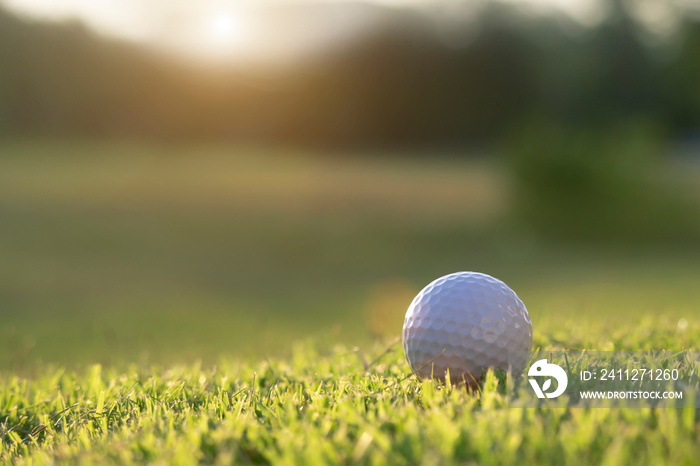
pixel 224 30
pixel 253 30
pixel 217 36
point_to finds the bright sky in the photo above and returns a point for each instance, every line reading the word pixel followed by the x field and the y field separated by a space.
pixel 221 27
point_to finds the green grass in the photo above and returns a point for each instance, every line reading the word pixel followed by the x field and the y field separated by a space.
pixel 328 404
pixel 124 264
pixel 114 252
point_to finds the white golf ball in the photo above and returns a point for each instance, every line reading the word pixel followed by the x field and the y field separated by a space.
pixel 466 322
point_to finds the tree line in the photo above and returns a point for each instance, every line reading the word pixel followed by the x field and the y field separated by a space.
pixel 396 86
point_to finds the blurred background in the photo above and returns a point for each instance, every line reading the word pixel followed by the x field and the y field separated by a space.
pixel 180 180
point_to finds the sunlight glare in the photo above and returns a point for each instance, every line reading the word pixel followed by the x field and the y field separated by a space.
pixel 223 28
pixel 221 34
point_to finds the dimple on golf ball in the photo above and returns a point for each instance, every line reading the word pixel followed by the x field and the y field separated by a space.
pixel 466 322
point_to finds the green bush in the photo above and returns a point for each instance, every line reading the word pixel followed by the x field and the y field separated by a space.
pixel 599 184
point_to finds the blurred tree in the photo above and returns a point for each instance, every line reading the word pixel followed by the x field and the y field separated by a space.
pixel 598 184
pixel 399 85
pixel 681 82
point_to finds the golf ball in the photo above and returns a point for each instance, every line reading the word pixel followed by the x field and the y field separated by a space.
pixel 466 322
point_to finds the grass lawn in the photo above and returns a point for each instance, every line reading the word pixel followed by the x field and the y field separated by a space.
pixel 205 304
pixel 329 405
